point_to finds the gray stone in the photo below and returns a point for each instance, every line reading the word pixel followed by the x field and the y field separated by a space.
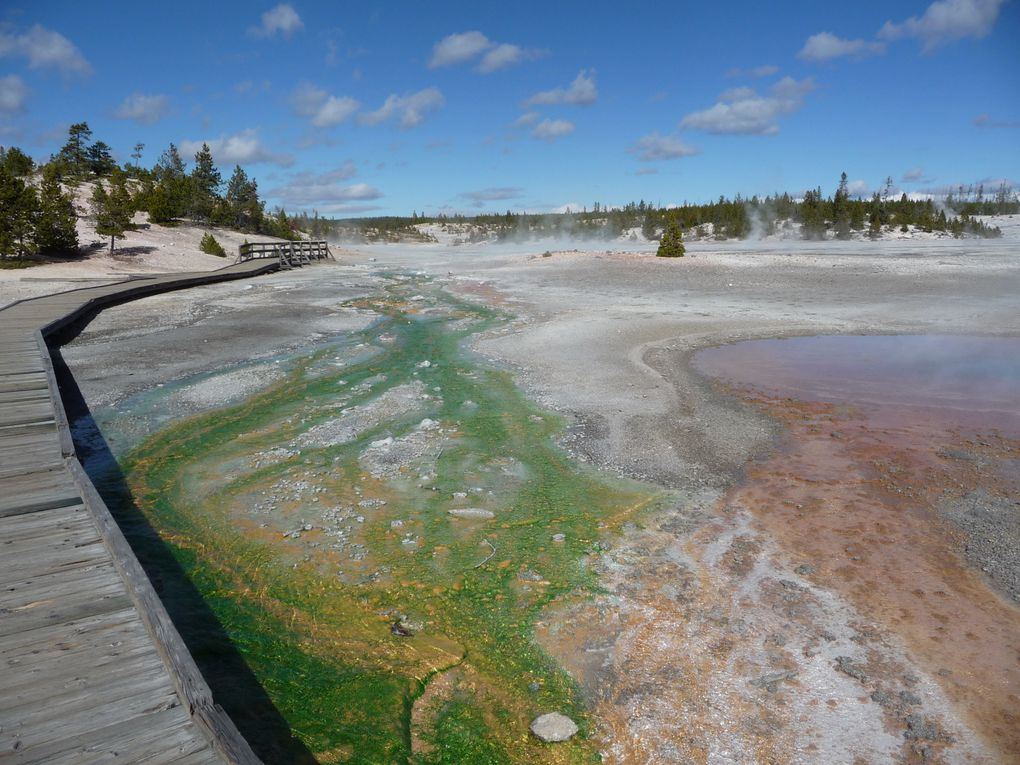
pixel 473 513
pixel 553 727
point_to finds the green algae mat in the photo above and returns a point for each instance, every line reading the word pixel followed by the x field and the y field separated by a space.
pixel 378 532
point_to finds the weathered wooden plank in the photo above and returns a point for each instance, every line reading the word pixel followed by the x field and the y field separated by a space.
pixel 102 600
pixel 21 412
pixel 31 492
pixel 76 685
pixel 134 739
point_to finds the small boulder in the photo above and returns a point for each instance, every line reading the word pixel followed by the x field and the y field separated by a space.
pixel 553 727
pixel 474 513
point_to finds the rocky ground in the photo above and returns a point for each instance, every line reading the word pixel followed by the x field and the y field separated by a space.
pixel 735 627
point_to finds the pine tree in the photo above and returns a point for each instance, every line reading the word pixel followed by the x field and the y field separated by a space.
pixel 170 196
pixel 16 162
pixel 20 206
pixel 100 159
pixel 672 243
pixel 136 155
pixel 841 209
pixel 205 185
pixel 74 154
pixel 112 211
pixel 55 227
pixel 244 209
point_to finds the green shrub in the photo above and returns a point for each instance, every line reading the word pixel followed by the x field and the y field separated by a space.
pixel 210 246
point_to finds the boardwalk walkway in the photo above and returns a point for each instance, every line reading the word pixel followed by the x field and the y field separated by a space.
pixel 91 668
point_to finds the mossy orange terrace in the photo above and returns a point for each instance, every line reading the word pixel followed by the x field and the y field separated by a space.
pixel 379 534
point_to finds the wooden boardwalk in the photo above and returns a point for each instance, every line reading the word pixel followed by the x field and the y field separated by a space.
pixel 91 667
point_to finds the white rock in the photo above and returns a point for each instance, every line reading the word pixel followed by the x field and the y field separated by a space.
pixel 553 727
pixel 474 513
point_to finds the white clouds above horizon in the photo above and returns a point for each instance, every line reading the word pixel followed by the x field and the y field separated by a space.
pixel 655 148
pixel 946 21
pixel 13 94
pixel 243 148
pixel 280 20
pixel 826 46
pixel 492 194
pixel 742 111
pixel 408 110
pixel 581 92
pixel 913 175
pixel 550 130
pixel 325 191
pixel 143 109
pixel 462 47
pixel 44 49
pixel 323 109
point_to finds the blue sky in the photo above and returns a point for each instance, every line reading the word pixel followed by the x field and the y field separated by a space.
pixel 362 109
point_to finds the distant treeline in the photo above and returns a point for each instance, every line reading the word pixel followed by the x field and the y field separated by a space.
pixel 38 211
pixel 820 217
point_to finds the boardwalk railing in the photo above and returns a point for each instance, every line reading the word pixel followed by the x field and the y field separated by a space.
pixel 290 254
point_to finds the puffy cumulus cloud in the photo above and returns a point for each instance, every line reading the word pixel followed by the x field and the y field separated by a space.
pixel 466 46
pixel 492 194
pixel 655 147
pixel 581 92
pixel 550 130
pixel 244 148
pixel 44 49
pixel 326 191
pixel 323 109
pixel 945 21
pixel 825 46
pixel 458 48
pixel 143 109
pixel 13 94
pixel 280 20
pixel 742 111
pixel 913 174
pixel 409 109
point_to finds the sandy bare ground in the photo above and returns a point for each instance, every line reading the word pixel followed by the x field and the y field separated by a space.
pixel 723 635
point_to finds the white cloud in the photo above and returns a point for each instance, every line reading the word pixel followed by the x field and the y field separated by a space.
pixel 526 120
pixel 325 192
pixel 143 109
pixel 281 19
pixel 458 48
pixel 655 147
pixel 13 93
pixel 569 207
pixel 581 92
pixel 493 193
pixel 242 148
pixel 743 112
pixel 825 46
pixel 409 109
pixel 647 171
pixel 914 174
pixel 323 109
pixel 45 49
pixel 858 188
pixel 945 21
pixel 505 55
pixel 550 130
pixel 766 70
